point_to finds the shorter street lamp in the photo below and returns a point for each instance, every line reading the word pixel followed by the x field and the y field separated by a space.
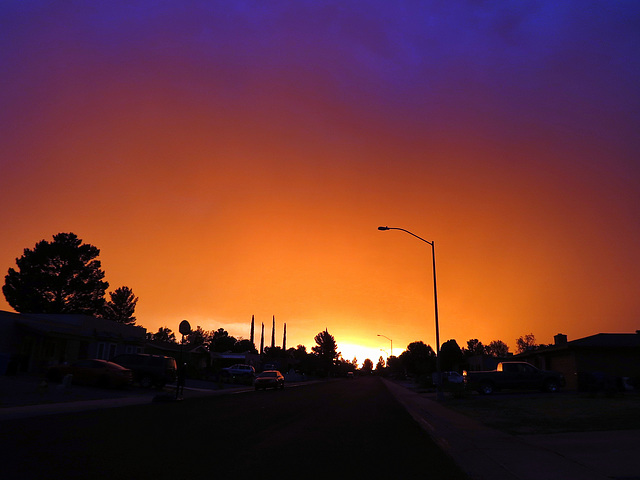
pixel 439 394
pixel 389 340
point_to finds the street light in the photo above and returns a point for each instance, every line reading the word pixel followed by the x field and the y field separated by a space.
pixel 389 340
pixel 435 302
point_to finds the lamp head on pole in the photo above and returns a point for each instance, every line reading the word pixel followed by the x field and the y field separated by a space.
pixel 383 228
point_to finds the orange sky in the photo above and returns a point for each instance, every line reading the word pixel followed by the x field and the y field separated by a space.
pixel 236 160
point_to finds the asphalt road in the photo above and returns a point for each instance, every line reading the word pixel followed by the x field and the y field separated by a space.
pixel 329 430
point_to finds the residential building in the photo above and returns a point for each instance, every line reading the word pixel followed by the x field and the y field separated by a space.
pixel 597 357
pixel 29 343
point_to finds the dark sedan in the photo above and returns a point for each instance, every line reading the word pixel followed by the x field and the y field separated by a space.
pixel 269 379
pixel 92 372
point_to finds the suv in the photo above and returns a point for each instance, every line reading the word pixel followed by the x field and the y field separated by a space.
pixel 239 370
pixel 149 370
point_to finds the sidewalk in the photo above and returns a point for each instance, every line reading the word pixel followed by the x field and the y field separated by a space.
pixel 23 397
pixel 485 453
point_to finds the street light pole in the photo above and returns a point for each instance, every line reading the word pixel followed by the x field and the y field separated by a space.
pixel 435 302
pixel 389 340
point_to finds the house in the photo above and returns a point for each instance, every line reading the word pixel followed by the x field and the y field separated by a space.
pixel 597 357
pixel 29 343
pixel 197 358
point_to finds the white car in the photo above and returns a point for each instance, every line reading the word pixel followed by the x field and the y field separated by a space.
pixel 239 370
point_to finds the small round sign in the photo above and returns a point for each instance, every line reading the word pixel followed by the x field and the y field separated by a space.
pixel 185 328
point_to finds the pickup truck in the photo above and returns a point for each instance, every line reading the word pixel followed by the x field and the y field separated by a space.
pixel 514 375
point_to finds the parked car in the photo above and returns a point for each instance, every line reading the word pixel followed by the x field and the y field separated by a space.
pixel 514 375
pixel 149 370
pixel 269 379
pixel 239 371
pixel 92 372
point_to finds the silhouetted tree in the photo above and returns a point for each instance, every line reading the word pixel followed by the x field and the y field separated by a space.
pixel 474 347
pixel 354 362
pixel 326 349
pixel 244 345
pixel 367 366
pixel 304 362
pixel 164 334
pixel 450 356
pixel 380 366
pixel 62 276
pixel 343 366
pixel 418 358
pixel 121 307
pixel 300 352
pixel 525 343
pixel 221 341
pixel 394 366
pixel 198 337
pixel 497 348
pixel 274 354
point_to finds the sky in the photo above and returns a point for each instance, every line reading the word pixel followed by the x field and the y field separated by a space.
pixel 235 158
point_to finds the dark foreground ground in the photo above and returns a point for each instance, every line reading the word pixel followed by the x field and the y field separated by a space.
pixel 340 429
pixel 531 413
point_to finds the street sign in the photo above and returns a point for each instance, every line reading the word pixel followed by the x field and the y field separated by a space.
pixel 185 328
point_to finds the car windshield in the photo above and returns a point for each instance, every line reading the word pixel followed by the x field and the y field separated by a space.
pixel 269 374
